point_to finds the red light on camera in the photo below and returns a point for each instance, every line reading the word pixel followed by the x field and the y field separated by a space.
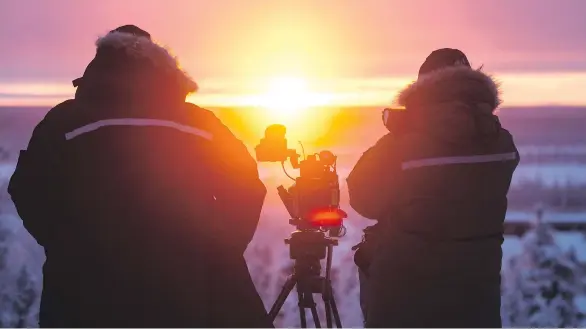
pixel 329 217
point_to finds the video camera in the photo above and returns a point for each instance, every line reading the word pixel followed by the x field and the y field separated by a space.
pixel 313 201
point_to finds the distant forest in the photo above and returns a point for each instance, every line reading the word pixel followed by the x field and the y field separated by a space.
pixel 555 126
pixel 565 198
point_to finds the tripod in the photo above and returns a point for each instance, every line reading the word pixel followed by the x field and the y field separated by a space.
pixel 307 248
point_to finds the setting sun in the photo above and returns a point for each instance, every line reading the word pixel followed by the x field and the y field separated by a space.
pixel 287 98
pixel 294 102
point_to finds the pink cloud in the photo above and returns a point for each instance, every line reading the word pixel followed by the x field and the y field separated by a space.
pixel 53 40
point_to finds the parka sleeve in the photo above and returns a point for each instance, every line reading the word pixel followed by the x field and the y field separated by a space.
pixel 372 183
pixel 34 185
pixel 238 190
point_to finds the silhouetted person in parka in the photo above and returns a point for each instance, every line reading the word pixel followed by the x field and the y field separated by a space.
pixel 437 185
pixel 144 203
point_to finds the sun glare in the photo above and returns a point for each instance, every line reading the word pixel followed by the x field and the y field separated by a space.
pixel 289 100
pixel 286 98
pixel 287 95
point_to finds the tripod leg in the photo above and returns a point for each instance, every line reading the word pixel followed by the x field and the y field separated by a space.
pixel 285 291
pixel 315 316
pixel 301 301
pixel 327 308
pixel 328 293
pixel 334 308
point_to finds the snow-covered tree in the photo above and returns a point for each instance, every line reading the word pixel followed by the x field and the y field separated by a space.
pixel 24 300
pixel 19 292
pixel 541 283
pixel 5 297
pixel 4 233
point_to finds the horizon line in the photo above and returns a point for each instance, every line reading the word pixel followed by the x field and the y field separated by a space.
pixel 527 89
pixel 340 107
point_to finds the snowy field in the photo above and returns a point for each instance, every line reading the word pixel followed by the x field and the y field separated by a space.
pixel 268 248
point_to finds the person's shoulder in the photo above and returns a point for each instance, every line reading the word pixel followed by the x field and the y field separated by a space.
pixel 383 146
pixel 506 141
pixel 206 119
pixel 56 119
pixel 386 141
pixel 200 115
pixel 198 111
pixel 60 110
pixel 504 134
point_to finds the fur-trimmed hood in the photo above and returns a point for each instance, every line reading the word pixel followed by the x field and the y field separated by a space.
pixel 135 67
pixel 140 47
pixel 454 103
pixel 452 84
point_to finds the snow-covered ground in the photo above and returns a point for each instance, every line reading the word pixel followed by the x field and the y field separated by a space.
pixel 268 247
pixel 6 170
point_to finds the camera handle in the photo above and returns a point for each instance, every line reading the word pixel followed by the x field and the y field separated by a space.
pixel 293 158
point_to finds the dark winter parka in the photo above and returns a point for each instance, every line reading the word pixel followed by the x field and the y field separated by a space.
pixel 144 203
pixel 438 186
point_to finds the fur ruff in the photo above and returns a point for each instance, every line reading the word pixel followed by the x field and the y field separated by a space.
pixel 452 85
pixel 142 47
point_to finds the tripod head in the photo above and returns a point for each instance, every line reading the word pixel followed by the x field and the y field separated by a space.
pixel 309 245
pixel 307 248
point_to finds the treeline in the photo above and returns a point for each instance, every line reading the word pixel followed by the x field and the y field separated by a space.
pixel 560 197
pixel 546 159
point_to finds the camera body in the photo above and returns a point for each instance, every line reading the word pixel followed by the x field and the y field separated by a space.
pixel 313 201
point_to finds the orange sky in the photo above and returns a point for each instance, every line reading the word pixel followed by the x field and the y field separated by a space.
pixel 349 52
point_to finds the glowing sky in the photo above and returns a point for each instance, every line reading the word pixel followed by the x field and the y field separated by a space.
pixel 354 52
